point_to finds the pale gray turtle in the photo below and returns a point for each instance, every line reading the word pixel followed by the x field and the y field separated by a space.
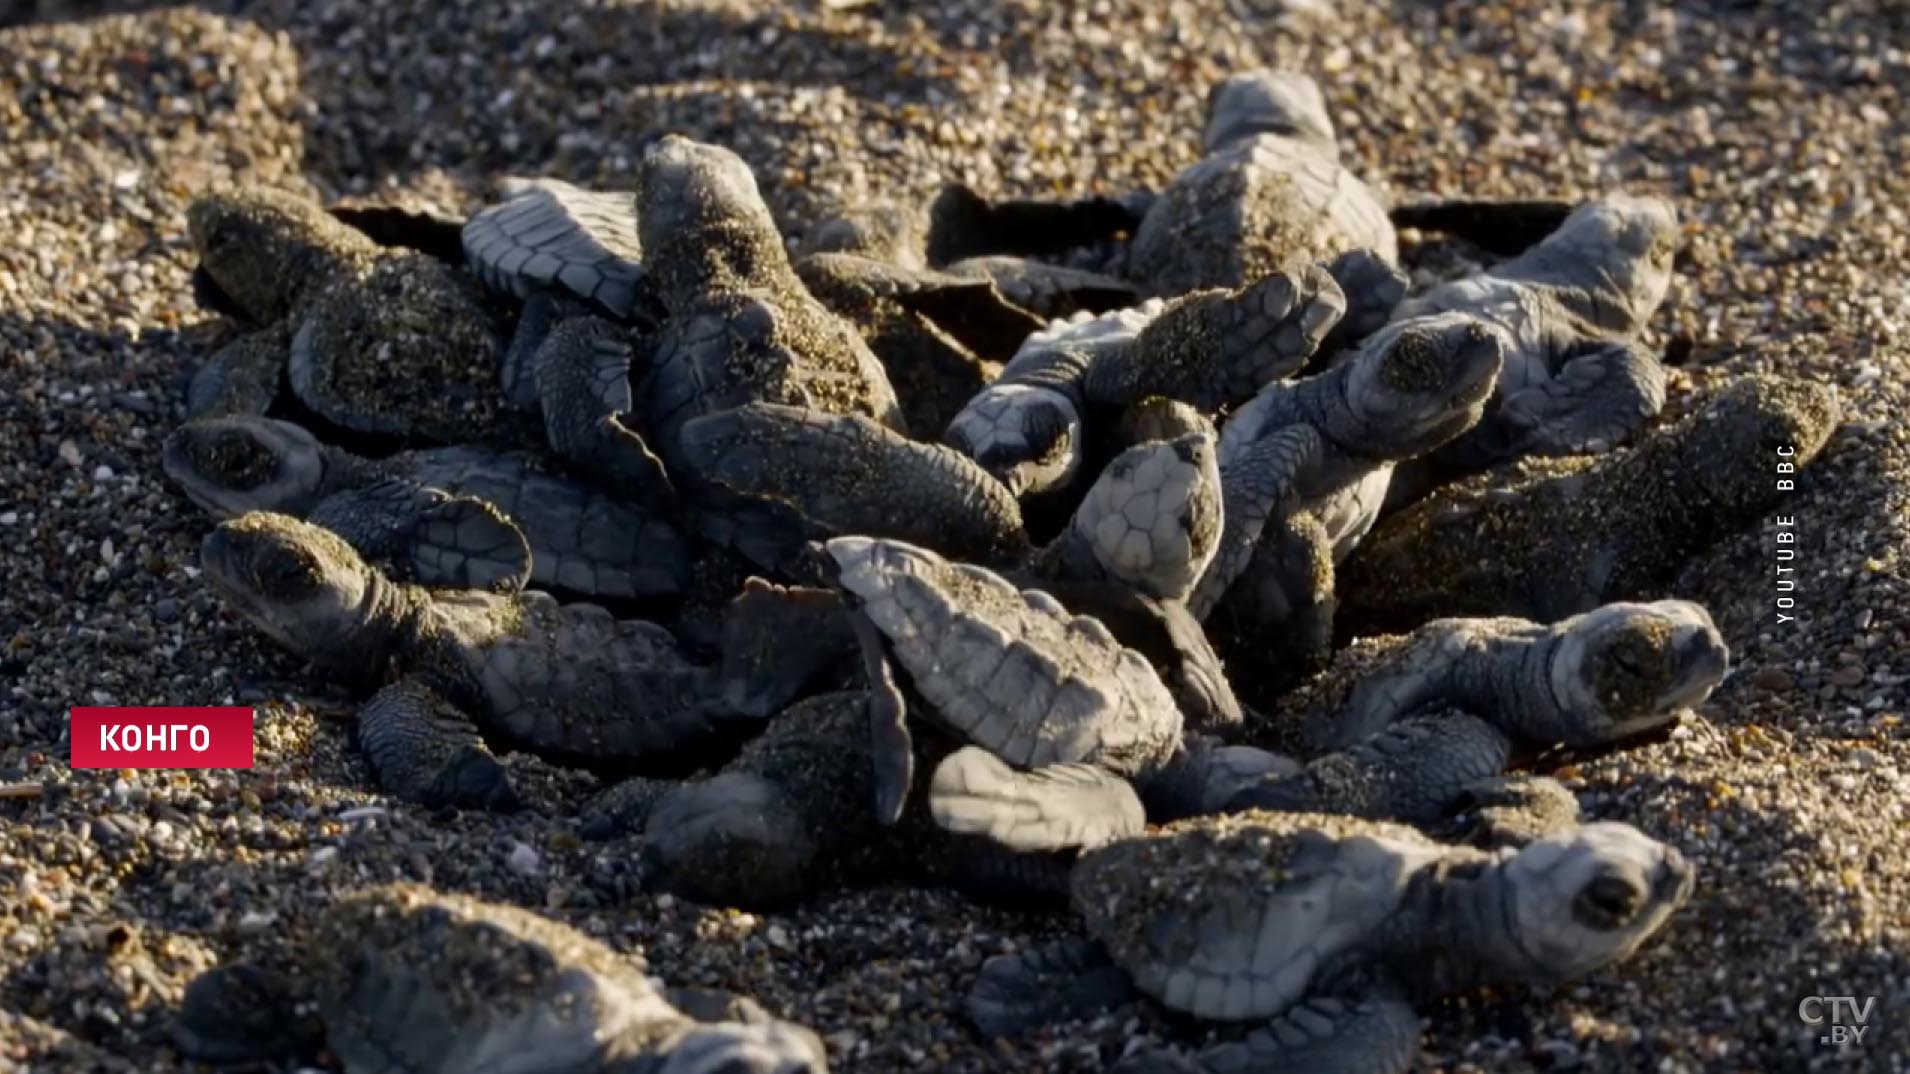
pixel 371 338
pixel 1554 537
pixel 1029 427
pixel 573 537
pixel 567 681
pixel 1610 674
pixel 1576 380
pixel 1328 932
pixel 402 979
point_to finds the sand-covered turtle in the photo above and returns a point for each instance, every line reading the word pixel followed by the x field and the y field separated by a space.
pixel 568 681
pixel 401 979
pixel 1029 428
pixel 1550 538
pixel 371 338
pixel 1610 674
pixel 1328 932
pixel 416 507
pixel 1576 380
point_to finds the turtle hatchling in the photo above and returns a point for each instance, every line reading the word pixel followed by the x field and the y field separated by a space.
pixel 417 508
pixel 1329 932
pixel 566 681
pixel 372 339
pixel 406 980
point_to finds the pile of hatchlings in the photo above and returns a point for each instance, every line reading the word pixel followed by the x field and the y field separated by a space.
pixel 1159 561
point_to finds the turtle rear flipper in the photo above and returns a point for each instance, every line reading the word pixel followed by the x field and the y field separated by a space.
pixel 963 224
pixel 1058 982
pixel 438 539
pixel 424 750
pixel 1374 1032
pixel 1503 228
pixel 241 1013
pixel 1057 807
pixel 583 386
pixel 1603 395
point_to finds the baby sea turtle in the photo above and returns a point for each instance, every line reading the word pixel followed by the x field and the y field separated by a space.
pixel 1554 537
pixel 566 681
pixel 406 980
pixel 1609 674
pixel 1209 350
pixel 373 339
pixel 1329 932
pixel 1575 381
pixel 574 537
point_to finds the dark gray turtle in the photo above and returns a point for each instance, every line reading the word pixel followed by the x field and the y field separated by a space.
pixel 371 338
pixel 567 681
pixel 405 980
pixel 1555 537
pixel 1613 673
pixel 573 537
pixel 1210 350
pixel 1576 380
pixel 1329 932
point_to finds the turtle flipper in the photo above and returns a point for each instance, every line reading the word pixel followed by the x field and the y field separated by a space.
pixel 1057 807
pixel 624 808
pixel 517 375
pixel 732 840
pixel 583 385
pixel 891 748
pixel 1216 348
pixel 970 308
pixel 1058 982
pixel 242 377
pixel 436 538
pixel 1207 776
pixel 422 749
pixel 1279 613
pixel 1375 1032
pixel 1412 771
pixel 1511 811
pixel 1504 228
pixel 963 224
pixel 1601 397
pixel 1049 291
pixel 1373 288
pixel 1257 481
pixel 241 1013
pixel 1152 519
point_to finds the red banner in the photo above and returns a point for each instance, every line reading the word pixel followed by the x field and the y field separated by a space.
pixel 161 737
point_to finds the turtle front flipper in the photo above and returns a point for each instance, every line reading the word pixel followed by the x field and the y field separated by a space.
pixel 1056 807
pixel 1500 812
pixel 1413 771
pixel 776 640
pixel 1602 396
pixel 583 386
pixel 1373 288
pixel 242 377
pixel 1371 1032
pixel 423 749
pixel 1252 485
pixel 891 748
pixel 241 1013
pixel 1062 981
pixel 1502 228
pixel 1049 291
pixel 1216 348
pixel 1151 520
pixel 963 224
pixel 458 542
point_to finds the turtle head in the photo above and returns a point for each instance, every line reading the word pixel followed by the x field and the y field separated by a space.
pixel 1286 103
pixel 1152 518
pixel 301 584
pixel 1026 436
pixel 686 188
pixel 1420 382
pixel 231 465
pixel 1627 668
pixel 1582 900
pixel 260 245
pixel 1619 249
pixel 1779 419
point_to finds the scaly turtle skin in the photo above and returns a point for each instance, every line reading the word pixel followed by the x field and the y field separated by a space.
pixel 567 681
pixel 1270 191
pixel 373 339
pixel 1575 380
pixel 407 980
pixel 1555 537
pixel 1329 932
pixel 1607 675
pixel 573 537
pixel 1210 350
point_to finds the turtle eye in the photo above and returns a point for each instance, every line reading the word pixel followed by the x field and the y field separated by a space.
pixel 285 574
pixel 1608 902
